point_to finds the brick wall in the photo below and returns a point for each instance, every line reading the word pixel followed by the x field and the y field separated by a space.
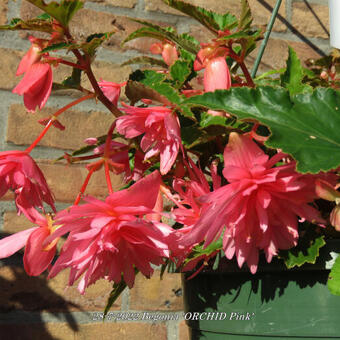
pixel 34 308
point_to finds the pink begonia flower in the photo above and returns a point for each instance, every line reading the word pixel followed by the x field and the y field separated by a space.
pixel 167 50
pixel 120 161
pixel 110 239
pixel 161 130
pixel 259 209
pixel 37 257
pixel 20 173
pixel 35 86
pixel 326 191
pixel 111 90
pixel 32 56
pixel 217 75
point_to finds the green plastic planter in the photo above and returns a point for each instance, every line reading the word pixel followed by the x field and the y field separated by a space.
pixel 273 304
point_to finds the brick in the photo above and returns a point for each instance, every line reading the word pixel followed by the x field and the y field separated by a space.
pixel 28 11
pixel 23 127
pixel 3 12
pixel 9 63
pixel 47 331
pixel 260 13
pixel 276 54
pixel 184 331
pixel 22 292
pixel 90 331
pixel 122 331
pixel 81 27
pixel 216 6
pixel 156 294
pixel 118 3
pixel 65 181
pixel 311 19
pixel 109 72
pixel 14 223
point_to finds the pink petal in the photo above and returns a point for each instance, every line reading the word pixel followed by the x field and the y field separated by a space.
pixel 11 244
pixel 36 260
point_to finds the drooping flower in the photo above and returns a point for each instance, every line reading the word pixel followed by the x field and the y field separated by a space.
pixel 110 239
pixel 217 75
pixel 35 86
pixel 37 257
pixel 259 208
pixel 212 58
pixel 111 90
pixel 32 56
pixel 20 173
pixel 326 191
pixel 161 130
pixel 167 50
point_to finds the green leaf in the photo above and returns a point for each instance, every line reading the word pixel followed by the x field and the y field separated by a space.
pixel 305 125
pixel 180 71
pixel 94 41
pixel 246 18
pixel 62 12
pixel 208 119
pixel 117 289
pixel 89 47
pixel 74 80
pixel 145 61
pixel 156 82
pixel 41 25
pixel 160 33
pixel 190 134
pixel 333 282
pixel 296 257
pixel 201 250
pixel 294 74
pixel 57 47
pixel 209 19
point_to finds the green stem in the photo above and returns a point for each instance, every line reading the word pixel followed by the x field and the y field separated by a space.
pixel 266 37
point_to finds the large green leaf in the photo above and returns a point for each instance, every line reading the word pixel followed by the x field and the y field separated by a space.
pixel 42 25
pixel 334 278
pixel 305 125
pixel 62 11
pixel 211 20
pixel 160 33
pixel 294 74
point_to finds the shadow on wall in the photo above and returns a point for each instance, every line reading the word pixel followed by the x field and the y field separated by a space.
pixel 23 299
pixel 297 32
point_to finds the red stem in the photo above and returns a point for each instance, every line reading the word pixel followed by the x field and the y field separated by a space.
pixel 85 61
pixel 49 124
pixel 240 61
pixel 62 61
pixel 83 187
pixel 111 107
pixel 42 134
pixel 107 176
pixel 108 140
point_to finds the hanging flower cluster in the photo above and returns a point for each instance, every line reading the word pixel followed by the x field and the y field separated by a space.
pixel 209 173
